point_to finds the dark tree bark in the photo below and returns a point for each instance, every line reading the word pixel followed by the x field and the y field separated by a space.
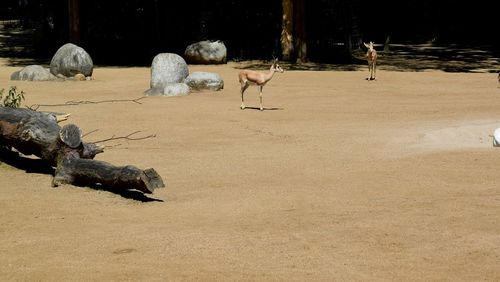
pixel 293 32
pixel 74 21
pixel 354 38
pixel 73 169
pixel 287 31
pixel 36 133
pixel 299 27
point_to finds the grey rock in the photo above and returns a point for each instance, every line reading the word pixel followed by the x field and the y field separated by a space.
pixel 70 60
pixel 204 81
pixel 33 72
pixel 206 52
pixel 166 69
pixel 173 89
pixel 176 89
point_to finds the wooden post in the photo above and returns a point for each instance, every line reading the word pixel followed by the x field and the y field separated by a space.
pixel 386 44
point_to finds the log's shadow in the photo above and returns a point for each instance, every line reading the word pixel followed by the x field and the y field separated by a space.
pixel 39 166
pixel 265 109
pixel 30 165
pixel 125 193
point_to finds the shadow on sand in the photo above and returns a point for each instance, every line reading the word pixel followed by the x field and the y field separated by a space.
pixel 39 166
pixel 265 109
pixel 407 58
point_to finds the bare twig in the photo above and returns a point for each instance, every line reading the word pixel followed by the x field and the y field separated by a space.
pixel 90 132
pixel 127 137
pixel 112 146
pixel 76 103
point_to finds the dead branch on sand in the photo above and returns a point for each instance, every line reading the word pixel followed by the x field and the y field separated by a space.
pixel 36 133
pixel 35 107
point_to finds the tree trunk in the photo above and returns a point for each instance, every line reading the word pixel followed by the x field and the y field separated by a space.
pixel 74 21
pixel 36 133
pixel 157 16
pixel 354 39
pixel 299 26
pixel 287 31
pixel 293 31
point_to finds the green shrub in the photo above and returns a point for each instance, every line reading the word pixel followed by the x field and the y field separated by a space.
pixel 12 99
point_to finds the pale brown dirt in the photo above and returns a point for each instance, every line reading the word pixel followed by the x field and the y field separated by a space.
pixel 348 180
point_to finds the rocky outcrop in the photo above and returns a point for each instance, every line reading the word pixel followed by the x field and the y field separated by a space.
pixel 206 52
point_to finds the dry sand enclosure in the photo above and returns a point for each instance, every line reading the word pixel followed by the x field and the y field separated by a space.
pixel 345 179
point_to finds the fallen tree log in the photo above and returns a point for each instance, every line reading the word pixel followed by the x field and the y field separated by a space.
pixel 37 133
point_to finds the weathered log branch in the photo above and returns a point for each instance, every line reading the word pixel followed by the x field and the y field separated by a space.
pixel 37 133
pixel 76 170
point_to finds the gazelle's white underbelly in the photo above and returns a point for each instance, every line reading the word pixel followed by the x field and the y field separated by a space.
pixel 254 83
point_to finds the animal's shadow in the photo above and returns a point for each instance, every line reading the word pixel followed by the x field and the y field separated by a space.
pixel 39 166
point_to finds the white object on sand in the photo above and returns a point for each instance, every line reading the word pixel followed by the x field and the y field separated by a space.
pixel 496 138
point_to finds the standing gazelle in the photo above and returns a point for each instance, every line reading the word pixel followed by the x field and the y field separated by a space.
pixel 371 57
pixel 250 77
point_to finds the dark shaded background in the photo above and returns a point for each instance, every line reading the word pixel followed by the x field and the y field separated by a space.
pixel 133 32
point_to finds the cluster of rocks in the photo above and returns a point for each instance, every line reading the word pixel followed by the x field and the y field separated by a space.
pixel 70 62
pixel 169 72
pixel 170 77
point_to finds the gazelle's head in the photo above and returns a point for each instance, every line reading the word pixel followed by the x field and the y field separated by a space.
pixel 276 67
pixel 369 45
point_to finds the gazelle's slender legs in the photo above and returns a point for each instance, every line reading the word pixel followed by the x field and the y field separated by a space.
pixel 260 96
pixel 244 87
pixel 372 70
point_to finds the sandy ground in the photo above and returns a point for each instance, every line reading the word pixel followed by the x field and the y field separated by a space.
pixel 340 179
